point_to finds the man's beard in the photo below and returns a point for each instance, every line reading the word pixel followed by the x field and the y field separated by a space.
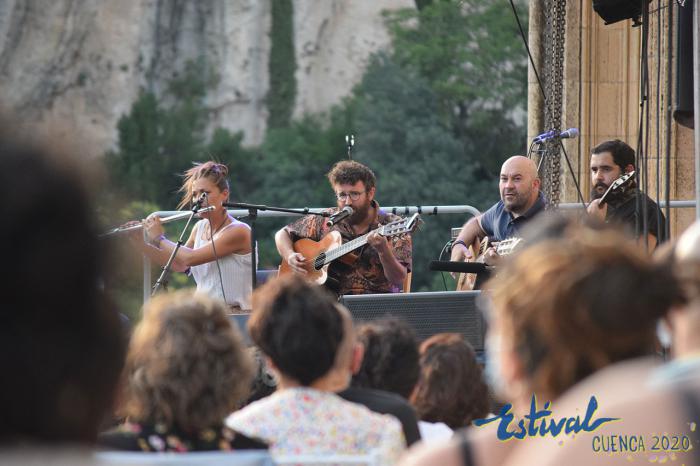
pixel 359 213
pixel 517 203
pixel 598 193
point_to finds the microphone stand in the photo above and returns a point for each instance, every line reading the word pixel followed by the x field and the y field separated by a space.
pixel 253 215
pixel 542 151
pixel 163 278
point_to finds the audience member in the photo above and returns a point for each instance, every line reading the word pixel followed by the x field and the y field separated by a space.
pixel 308 340
pixel 451 392
pixel 390 361
pixel 61 344
pixel 186 370
pixel 562 310
pixel 383 402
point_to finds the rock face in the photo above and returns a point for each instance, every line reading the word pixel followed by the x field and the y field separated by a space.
pixel 80 63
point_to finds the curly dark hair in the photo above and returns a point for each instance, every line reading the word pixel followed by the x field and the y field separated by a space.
pixel 391 356
pixel 187 365
pixel 298 325
pixel 622 153
pixel 451 388
pixel 350 172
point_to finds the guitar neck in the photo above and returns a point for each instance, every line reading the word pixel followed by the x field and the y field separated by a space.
pixel 346 248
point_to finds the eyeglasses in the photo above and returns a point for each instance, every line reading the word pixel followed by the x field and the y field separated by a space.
pixel 353 195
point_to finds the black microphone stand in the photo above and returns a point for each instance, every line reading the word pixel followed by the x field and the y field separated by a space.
pixel 253 215
pixel 542 151
pixel 163 278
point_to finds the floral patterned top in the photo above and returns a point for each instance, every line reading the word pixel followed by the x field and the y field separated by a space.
pixel 157 437
pixel 367 273
pixel 306 421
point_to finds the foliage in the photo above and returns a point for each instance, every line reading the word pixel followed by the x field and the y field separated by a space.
pixel 282 65
pixel 417 162
pixel 470 53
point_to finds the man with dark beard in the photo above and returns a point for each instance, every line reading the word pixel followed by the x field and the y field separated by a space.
pixel 382 264
pixel 521 200
pixel 626 206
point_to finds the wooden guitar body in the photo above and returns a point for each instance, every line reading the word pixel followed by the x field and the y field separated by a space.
pixel 329 259
pixel 311 249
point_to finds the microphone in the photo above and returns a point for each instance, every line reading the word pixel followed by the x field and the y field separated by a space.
pixel 568 134
pixel 198 202
pixel 338 216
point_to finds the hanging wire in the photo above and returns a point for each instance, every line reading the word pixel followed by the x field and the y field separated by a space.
pixel 669 100
pixel 544 98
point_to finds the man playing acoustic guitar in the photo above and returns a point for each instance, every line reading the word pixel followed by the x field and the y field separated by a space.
pixel 380 265
pixel 610 160
pixel 521 200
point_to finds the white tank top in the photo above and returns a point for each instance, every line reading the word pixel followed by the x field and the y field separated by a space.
pixel 235 272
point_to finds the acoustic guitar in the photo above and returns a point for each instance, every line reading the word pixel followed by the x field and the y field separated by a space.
pixel 332 258
pixel 466 281
pixel 618 185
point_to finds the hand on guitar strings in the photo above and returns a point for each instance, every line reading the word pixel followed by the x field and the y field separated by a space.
pixel 460 253
pixel 597 210
pixel 297 262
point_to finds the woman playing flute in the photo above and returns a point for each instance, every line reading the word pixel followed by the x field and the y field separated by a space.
pixel 217 252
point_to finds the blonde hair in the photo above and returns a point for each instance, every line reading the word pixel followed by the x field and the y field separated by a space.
pixel 216 172
pixel 186 365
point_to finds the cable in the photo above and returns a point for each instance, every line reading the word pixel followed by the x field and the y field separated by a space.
pixel 216 256
pixel 544 98
pixel 447 246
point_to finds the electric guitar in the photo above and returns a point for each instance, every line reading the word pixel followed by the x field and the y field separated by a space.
pixel 324 268
pixel 466 281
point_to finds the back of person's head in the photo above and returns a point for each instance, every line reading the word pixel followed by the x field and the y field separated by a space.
pixel 187 365
pixel 451 388
pixel 299 326
pixel 61 346
pixel 568 307
pixel 621 152
pixel 391 357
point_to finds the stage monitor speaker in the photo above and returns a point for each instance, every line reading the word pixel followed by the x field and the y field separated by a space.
pixel 683 111
pixel 427 313
pixel 613 11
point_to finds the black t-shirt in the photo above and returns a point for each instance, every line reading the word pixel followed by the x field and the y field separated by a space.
pixel 624 210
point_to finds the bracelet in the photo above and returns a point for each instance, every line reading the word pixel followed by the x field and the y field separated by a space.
pixel 459 241
pixel 156 241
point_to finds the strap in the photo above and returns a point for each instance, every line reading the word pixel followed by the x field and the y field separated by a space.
pixel 466 449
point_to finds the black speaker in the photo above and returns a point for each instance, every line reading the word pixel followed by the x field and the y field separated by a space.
pixel 613 11
pixel 427 313
pixel 683 111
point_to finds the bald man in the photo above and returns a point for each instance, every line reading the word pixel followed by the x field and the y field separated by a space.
pixel 521 200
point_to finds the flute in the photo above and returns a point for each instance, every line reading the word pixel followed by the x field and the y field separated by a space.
pixel 170 218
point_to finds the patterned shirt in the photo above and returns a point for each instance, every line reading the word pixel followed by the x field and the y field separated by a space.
pixel 306 421
pixel 367 273
pixel 157 437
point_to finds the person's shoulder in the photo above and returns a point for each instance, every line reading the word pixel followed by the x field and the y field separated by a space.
pixel 123 437
pixel 376 400
pixel 239 441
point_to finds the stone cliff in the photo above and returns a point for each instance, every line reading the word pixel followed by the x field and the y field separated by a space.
pixel 79 64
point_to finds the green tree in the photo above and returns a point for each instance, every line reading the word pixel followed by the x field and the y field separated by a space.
pixel 415 156
pixel 471 55
pixel 282 65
